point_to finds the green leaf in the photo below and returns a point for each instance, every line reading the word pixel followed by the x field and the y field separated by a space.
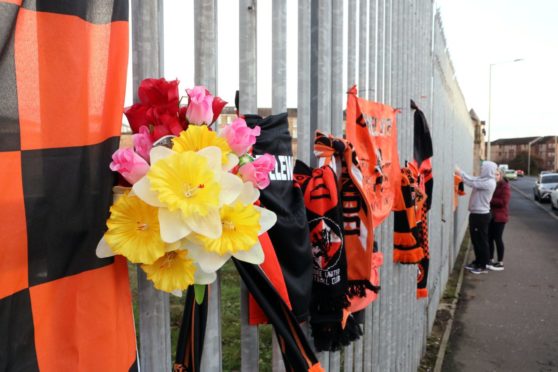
pixel 199 291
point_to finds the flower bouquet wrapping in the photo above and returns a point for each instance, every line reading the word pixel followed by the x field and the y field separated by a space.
pixel 191 200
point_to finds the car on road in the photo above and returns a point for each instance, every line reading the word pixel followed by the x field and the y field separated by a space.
pixel 546 183
pixel 510 174
pixel 520 173
pixel 554 198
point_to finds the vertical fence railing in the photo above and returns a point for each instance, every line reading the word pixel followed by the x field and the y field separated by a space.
pixel 396 51
pixel 154 311
pixel 205 73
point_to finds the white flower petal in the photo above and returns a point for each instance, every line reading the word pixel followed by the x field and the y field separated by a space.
pixel 169 247
pixel 208 225
pixel 103 250
pixel 249 194
pixel 213 156
pixel 232 161
pixel 177 293
pixel 207 261
pixel 211 262
pixel 195 249
pixel 267 219
pixel 254 256
pixel 142 189
pixel 201 277
pixel 231 186
pixel 159 152
pixel 172 226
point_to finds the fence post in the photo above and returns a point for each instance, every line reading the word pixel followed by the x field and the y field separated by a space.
pixel 304 82
pixel 278 105
pixel 205 73
pixel 154 313
pixel 337 92
pixel 248 105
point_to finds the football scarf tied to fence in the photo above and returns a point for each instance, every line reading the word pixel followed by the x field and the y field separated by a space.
pixel 413 201
pixel 62 78
pixel 345 266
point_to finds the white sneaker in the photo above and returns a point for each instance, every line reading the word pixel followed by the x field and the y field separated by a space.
pixel 495 266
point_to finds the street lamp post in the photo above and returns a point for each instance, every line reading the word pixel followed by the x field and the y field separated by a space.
pixel 529 154
pixel 488 147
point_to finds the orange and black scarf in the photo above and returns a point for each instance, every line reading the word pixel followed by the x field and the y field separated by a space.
pixel 422 166
pixel 329 286
pixel 407 205
pixel 362 261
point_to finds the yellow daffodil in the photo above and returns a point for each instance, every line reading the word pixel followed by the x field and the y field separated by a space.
pixel 183 181
pixel 133 230
pixel 174 271
pixel 242 223
pixel 188 188
pixel 198 137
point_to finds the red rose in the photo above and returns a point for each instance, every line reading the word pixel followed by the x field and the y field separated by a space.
pixel 218 105
pixel 137 116
pixel 159 94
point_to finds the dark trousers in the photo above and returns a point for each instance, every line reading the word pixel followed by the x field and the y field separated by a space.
pixel 495 231
pixel 478 228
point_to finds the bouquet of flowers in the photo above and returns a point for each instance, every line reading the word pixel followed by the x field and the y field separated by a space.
pixel 192 195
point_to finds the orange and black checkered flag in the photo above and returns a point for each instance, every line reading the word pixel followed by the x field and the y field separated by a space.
pixel 62 82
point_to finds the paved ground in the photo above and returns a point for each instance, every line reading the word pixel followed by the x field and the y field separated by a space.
pixel 508 321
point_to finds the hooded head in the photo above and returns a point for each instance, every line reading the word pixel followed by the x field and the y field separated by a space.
pixel 488 169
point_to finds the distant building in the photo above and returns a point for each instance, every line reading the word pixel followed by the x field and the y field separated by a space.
pixel 506 149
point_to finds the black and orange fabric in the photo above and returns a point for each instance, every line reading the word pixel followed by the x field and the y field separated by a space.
pixel 422 140
pixel 372 129
pixel 423 265
pixel 272 270
pixel 62 81
pixel 458 190
pixel 363 261
pixel 329 288
pixel 189 346
pixel 295 349
pixel 422 168
pixel 409 199
pixel 289 236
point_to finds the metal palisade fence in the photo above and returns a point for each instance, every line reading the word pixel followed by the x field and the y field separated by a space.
pixel 395 50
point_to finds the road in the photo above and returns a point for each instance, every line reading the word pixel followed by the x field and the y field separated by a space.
pixel 508 321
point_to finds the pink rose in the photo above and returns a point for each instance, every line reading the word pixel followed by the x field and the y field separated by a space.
pixel 239 136
pixel 129 164
pixel 142 142
pixel 257 172
pixel 200 106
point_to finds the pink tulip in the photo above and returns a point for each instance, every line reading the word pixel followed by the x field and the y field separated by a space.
pixel 239 136
pixel 200 106
pixel 257 172
pixel 129 164
pixel 142 142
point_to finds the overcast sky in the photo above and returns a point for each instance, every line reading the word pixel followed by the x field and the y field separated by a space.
pixel 478 32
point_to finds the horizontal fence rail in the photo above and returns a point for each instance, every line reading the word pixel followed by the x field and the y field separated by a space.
pixel 396 51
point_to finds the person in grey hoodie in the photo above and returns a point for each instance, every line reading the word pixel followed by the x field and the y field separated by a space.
pixel 479 212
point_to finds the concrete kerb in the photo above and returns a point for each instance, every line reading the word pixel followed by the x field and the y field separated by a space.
pixel 451 308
